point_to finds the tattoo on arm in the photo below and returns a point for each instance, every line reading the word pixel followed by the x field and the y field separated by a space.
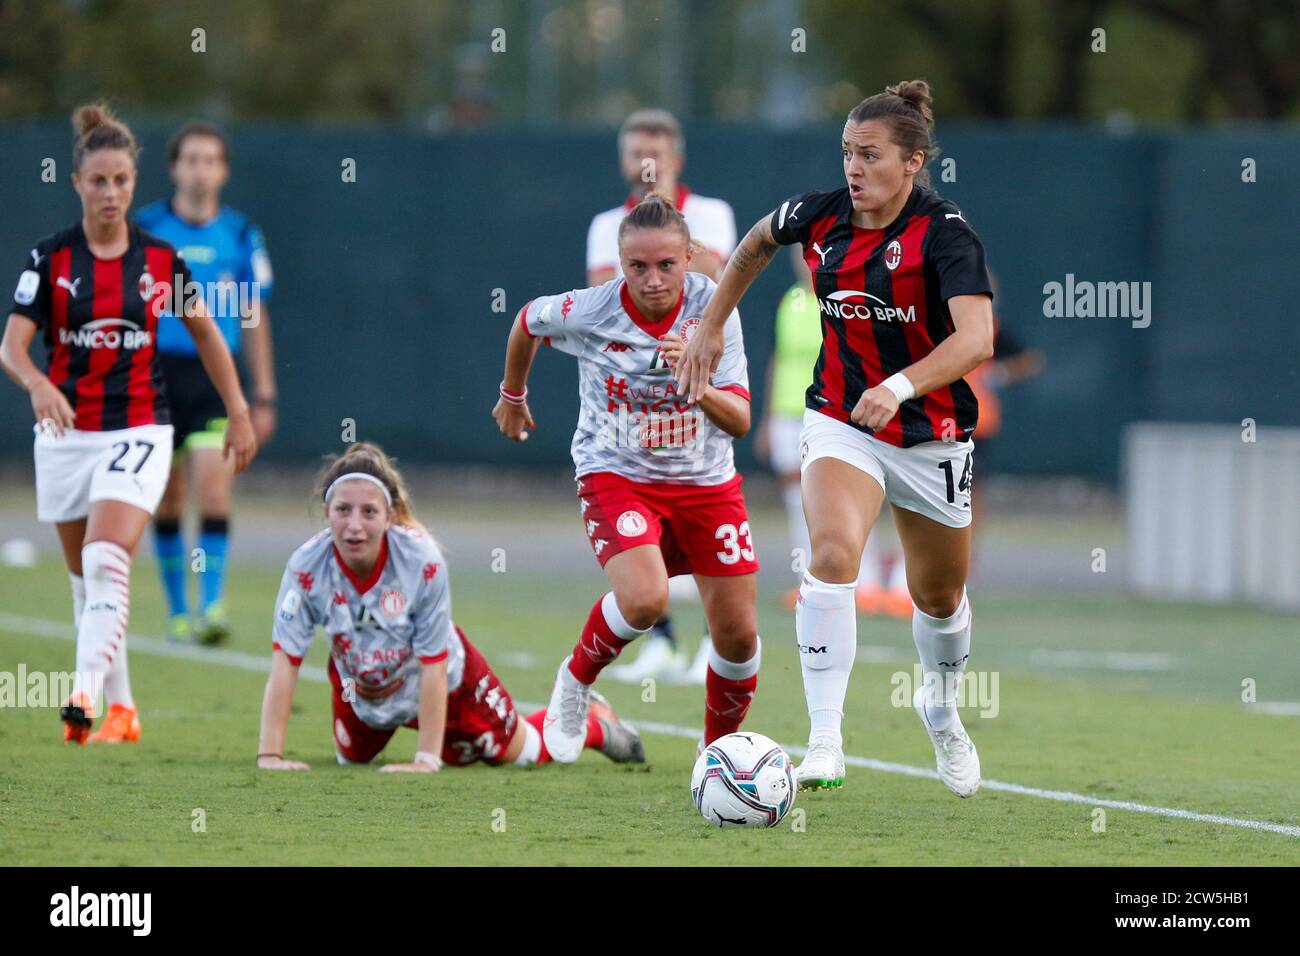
pixel 755 250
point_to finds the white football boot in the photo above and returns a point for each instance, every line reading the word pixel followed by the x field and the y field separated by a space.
pixel 698 673
pixel 565 726
pixel 955 755
pixel 658 659
pixel 822 767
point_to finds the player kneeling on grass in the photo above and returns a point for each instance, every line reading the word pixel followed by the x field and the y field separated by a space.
pixel 376 582
pixel 657 482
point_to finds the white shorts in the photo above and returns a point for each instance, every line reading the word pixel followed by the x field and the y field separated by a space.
pixel 783 434
pixel 127 464
pixel 933 478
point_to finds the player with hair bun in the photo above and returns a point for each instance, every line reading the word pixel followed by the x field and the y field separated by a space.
pixel 657 482
pixel 103 444
pixel 906 312
pixel 377 583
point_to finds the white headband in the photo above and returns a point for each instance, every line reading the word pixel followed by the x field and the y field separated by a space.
pixel 350 476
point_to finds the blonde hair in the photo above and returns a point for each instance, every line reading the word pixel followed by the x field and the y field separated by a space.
pixel 655 212
pixel 369 459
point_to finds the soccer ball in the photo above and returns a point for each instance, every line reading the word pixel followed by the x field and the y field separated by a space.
pixel 743 780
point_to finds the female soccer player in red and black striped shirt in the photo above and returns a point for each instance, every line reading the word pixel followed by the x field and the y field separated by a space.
pixel 103 442
pixel 906 311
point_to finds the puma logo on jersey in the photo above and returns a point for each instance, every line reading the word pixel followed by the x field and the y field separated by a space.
pixel 954 215
pixel 63 283
pixel 818 249
pixel 780 222
pixel 617 347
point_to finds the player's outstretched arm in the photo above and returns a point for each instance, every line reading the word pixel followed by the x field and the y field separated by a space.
pixel 48 403
pixel 511 410
pixel 433 722
pixel 215 355
pixel 276 703
pixel 704 350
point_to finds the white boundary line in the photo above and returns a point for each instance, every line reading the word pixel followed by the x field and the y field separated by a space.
pixel 40 627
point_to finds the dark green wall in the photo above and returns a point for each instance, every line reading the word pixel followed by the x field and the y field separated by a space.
pixel 382 311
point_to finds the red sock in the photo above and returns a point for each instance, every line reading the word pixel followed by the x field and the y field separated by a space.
pixel 598 646
pixel 726 702
pixel 595 734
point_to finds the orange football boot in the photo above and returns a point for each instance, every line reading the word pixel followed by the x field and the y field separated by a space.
pixel 868 598
pixel 78 716
pixel 896 602
pixel 121 726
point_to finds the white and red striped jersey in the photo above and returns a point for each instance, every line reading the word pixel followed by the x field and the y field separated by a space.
pixel 633 421
pixel 380 629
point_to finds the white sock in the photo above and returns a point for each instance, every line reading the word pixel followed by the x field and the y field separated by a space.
pixel 826 628
pixel 944 646
pixel 792 495
pixel 736 670
pixel 882 547
pixel 617 623
pixel 101 633
pixel 78 597
pixel 532 747
pixel 870 568
pixel 898 574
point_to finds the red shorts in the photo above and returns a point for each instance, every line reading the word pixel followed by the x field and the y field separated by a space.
pixel 701 529
pixel 481 718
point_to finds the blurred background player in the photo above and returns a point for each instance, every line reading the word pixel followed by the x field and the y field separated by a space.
pixel 377 582
pixel 1012 362
pixel 227 257
pixel 798 343
pixel 103 439
pixel 651 157
pixel 907 306
pixel 657 482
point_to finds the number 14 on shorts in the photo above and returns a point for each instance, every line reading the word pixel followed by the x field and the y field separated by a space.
pixel 962 484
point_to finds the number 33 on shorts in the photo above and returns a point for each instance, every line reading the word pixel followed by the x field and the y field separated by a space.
pixel 736 543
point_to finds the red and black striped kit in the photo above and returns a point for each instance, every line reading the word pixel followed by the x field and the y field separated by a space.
pixel 883 297
pixel 99 318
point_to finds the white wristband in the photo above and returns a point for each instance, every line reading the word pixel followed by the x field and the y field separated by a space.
pixel 432 761
pixel 901 386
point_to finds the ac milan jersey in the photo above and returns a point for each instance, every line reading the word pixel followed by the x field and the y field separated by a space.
pixel 633 421
pixel 100 321
pixel 380 629
pixel 883 296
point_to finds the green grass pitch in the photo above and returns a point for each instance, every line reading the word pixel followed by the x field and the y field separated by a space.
pixel 1176 738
